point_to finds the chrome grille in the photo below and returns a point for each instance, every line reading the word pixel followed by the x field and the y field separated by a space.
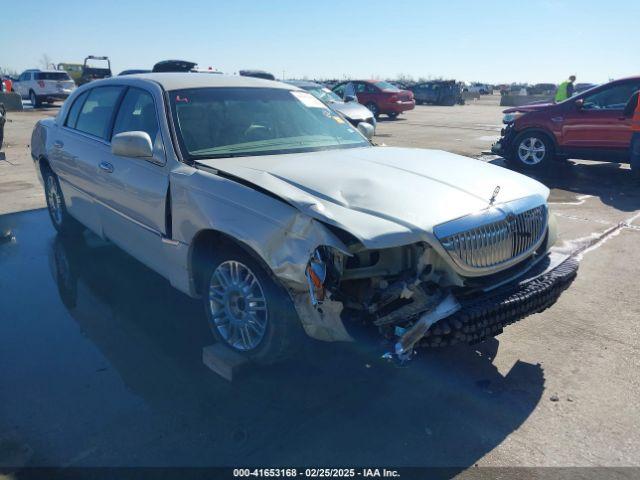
pixel 496 242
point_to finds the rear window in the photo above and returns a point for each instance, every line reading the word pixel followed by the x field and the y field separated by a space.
pixel 97 111
pixel 52 76
pixel 387 86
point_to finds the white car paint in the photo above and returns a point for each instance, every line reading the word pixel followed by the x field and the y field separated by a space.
pixel 280 207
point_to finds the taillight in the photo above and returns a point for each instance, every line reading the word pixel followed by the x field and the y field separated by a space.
pixel 41 83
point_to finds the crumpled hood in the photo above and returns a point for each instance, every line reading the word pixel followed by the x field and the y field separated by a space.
pixel 532 107
pixel 384 196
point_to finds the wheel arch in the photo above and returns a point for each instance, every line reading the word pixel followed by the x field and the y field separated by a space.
pixel 201 251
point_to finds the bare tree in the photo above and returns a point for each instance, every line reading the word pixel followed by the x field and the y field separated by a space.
pixel 45 61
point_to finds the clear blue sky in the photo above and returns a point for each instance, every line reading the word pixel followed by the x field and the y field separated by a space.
pixel 485 40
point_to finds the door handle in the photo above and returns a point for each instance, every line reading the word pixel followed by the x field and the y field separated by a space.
pixel 58 144
pixel 106 166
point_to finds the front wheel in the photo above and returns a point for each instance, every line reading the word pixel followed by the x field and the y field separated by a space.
pixel 531 151
pixel 393 115
pixel 247 311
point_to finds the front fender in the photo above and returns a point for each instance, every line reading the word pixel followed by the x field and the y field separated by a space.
pixel 278 233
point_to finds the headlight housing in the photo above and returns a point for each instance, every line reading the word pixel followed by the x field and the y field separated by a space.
pixel 511 117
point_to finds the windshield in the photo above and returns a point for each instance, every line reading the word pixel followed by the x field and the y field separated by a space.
pixel 387 86
pixel 52 76
pixel 324 94
pixel 232 122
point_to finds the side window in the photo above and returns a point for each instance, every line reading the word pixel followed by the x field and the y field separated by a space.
pixel 613 98
pixel 97 111
pixel 137 113
pixel 74 111
pixel 361 87
pixel 369 88
pixel 339 90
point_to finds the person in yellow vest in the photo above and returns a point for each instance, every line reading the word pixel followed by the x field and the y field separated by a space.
pixel 633 110
pixel 565 89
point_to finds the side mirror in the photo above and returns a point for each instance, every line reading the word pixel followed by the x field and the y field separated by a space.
pixel 579 103
pixel 366 129
pixel 350 98
pixel 132 144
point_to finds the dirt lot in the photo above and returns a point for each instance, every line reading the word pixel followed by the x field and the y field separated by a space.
pixel 101 365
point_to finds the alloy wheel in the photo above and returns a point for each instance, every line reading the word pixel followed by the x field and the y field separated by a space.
pixel 54 200
pixel 238 305
pixel 531 151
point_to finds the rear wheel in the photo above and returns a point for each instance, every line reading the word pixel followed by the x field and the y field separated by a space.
pixel 373 108
pixel 64 223
pixel 247 310
pixel 34 99
pixel 531 151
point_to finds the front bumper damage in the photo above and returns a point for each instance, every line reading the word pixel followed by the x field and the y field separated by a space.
pixel 504 145
pixel 484 314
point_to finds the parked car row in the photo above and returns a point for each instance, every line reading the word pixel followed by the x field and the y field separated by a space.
pixel 438 92
pixel 379 97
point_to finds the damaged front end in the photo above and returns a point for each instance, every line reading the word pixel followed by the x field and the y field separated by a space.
pixel 416 298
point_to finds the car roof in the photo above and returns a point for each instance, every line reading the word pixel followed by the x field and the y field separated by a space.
pixel 37 70
pixel 304 84
pixel 180 80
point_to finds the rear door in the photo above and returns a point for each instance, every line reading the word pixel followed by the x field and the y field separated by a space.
pixel 366 93
pixel 600 122
pixel 81 143
pixel 21 86
pixel 132 191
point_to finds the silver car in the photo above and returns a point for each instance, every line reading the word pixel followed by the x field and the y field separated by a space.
pixel 258 198
pixel 352 111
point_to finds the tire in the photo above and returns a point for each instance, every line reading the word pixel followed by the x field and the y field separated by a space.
pixel 35 102
pixel 393 115
pixel 273 332
pixel 1 134
pixel 64 223
pixel 532 150
pixel 373 108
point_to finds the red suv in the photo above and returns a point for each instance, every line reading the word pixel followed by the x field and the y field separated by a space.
pixel 593 125
pixel 379 97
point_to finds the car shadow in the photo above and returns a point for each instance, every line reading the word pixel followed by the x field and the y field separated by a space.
pixel 384 119
pixel 615 186
pixel 333 405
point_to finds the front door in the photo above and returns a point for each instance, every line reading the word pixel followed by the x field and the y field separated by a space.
pixel 132 191
pixel 600 122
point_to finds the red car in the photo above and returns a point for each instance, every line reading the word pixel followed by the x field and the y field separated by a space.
pixel 379 97
pixel 593 125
